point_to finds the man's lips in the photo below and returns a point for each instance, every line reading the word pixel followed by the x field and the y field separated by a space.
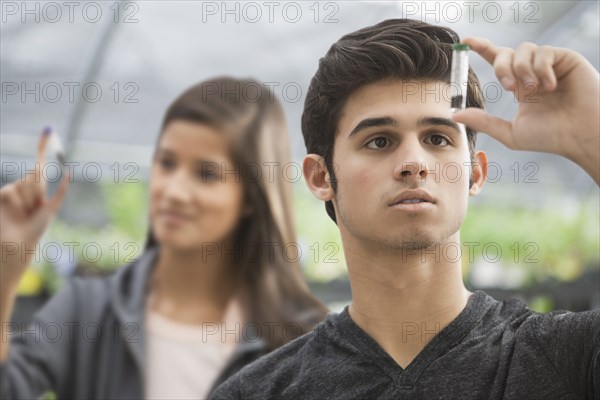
pixel 411 196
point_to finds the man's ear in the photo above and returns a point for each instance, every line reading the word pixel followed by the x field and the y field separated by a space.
pixel 478 172
pixel 316 177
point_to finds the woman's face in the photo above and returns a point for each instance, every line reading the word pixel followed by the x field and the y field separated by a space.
pixel 196 195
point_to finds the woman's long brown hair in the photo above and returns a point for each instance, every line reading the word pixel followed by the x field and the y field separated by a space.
pixel 280 303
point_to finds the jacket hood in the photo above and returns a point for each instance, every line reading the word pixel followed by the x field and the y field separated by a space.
pixel 129 287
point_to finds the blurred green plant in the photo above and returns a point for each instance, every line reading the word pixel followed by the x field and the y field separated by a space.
pixel 49 395
pixel 102 250
pixel 322 256
pixel 541 304
pixel 127 205
pixel 545 242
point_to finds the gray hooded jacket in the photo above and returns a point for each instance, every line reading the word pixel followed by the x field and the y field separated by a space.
pixel 88 341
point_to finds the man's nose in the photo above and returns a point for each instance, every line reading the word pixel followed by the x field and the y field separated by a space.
pixel 411 162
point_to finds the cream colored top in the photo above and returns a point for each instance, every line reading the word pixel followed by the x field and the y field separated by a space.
pixel 185 360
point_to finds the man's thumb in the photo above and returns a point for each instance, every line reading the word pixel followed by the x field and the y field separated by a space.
pixel 480 121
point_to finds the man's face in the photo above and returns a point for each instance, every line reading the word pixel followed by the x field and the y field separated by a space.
pixel 396 140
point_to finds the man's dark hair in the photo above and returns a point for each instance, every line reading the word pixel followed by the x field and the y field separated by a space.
pixel 400 49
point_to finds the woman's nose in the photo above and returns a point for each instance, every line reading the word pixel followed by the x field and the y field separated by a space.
pixel 178 187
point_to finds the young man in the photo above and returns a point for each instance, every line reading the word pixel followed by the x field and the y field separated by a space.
pixel 378 128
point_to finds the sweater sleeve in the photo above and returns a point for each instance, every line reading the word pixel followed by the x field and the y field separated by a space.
pixel 229 390
pixel 39 358
pixel 571 341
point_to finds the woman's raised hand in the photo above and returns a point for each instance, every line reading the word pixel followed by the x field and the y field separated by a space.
pixel 25 213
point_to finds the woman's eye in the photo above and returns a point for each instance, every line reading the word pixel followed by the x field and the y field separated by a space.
pixel 438 140
pixel 208 175
pixel 378 143
pixel 165 163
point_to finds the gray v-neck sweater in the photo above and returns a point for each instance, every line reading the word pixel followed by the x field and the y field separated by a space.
pixel 492 350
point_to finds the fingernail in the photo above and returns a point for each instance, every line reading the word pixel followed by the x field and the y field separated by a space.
pixel 530 81
pixel 47 130
pixel 548 84
pixel 507 82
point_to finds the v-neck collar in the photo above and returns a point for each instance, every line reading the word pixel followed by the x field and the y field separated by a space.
pixel 451 335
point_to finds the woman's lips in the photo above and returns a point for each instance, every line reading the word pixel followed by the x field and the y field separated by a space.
pixel 173 218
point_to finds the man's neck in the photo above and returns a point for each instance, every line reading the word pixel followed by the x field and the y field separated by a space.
pixel 403 300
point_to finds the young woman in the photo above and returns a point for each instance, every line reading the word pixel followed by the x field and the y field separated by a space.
pixel 215 288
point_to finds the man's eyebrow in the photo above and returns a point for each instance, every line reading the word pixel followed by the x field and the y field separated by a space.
pixel 373 122
pixel 438 121
pixel 389 121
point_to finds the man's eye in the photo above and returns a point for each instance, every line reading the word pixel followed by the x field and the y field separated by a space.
pixel 378 143
pixel 438 140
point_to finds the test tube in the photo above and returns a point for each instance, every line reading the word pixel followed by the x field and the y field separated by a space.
pixel 459 76
pixel 55 145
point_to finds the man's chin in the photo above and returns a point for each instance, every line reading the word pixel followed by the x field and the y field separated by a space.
pixel 415 246
pixel 414 243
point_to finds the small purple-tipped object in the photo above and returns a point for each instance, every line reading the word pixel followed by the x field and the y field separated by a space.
pixel 55 145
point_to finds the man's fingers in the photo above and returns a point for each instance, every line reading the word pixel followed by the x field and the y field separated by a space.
pixel 480 121
pixel 483 47
pixel 500 58
pixel 529 64
pixel 543 63
pixel 503 68
pixel 523 63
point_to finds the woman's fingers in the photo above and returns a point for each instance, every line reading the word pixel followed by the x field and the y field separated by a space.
pixel 41 159
pixel 11 203
pixel 24 198
pixel 30 200
pixel 56 200
pixel 33 187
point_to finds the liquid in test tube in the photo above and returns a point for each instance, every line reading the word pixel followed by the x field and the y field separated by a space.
pixel 459 76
